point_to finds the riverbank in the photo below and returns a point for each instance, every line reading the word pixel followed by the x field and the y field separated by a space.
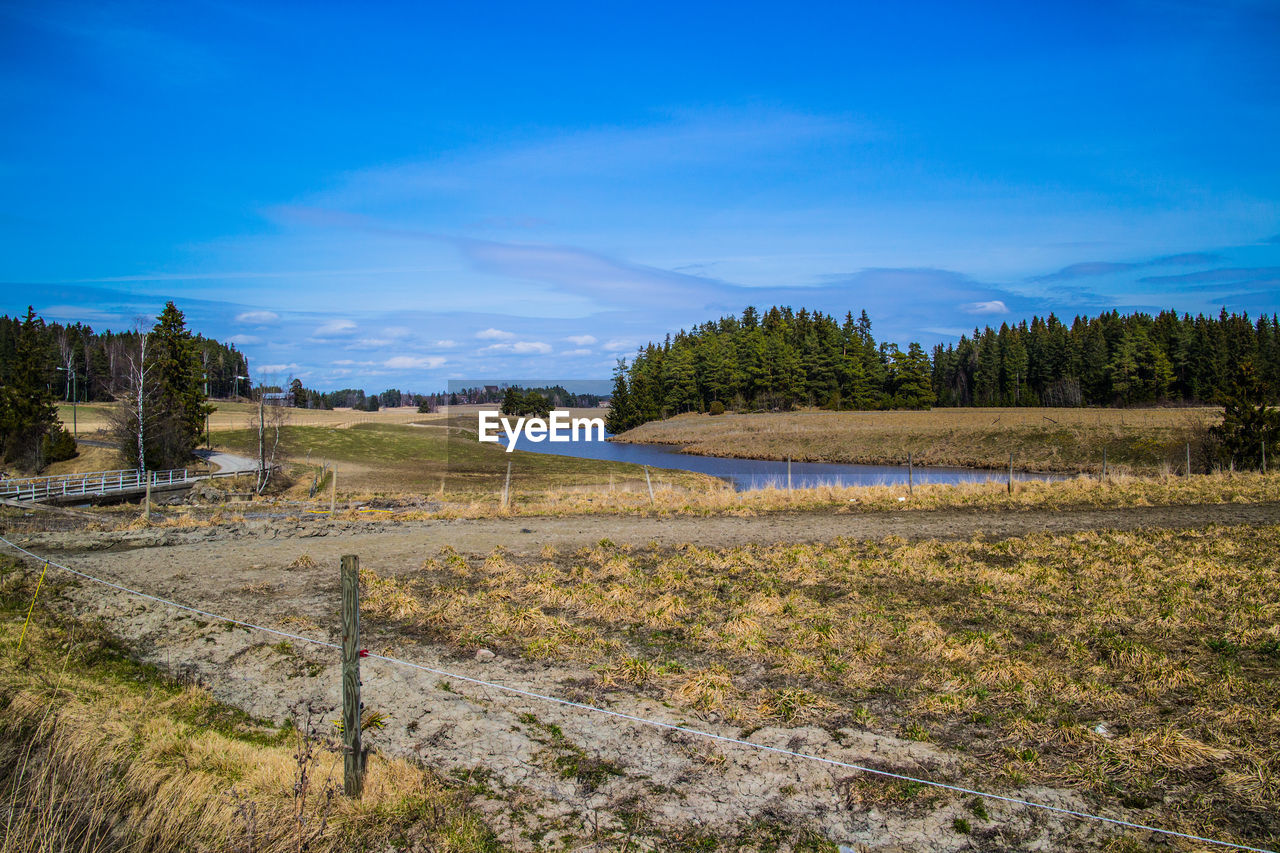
pixel 1065 441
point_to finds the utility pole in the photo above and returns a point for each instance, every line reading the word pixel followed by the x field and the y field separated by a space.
pixel 74 395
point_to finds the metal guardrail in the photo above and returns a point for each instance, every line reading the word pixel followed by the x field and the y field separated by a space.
pixel 99 483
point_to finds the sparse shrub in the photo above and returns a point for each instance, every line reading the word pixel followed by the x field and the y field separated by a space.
pixel 58 445
pixel 717 408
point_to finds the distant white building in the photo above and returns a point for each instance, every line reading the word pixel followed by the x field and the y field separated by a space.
pixel 278 398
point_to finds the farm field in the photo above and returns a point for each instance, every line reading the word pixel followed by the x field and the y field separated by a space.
pixel 1129 672
pixel 231 415
pixel 1137 441
pixel 1102 646
pixel 441 457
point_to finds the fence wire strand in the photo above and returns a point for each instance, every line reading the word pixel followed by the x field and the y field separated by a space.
pixel 658 724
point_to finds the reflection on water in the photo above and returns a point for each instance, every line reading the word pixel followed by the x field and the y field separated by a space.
pixel 748 474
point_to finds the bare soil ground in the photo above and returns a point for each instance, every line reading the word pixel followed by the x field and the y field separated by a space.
pixel 553 777
pixel 389 543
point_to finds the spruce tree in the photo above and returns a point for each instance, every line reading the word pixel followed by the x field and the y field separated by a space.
pixel 621 416
pixel 27 410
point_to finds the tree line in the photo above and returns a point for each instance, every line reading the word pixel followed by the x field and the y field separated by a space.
pixel 159 375
pixel 80 363
pixel 783 359
pixel 354 398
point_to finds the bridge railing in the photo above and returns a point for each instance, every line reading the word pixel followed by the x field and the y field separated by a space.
pixel 97 483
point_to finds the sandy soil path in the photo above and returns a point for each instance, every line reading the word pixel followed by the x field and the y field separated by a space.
pixel 394 542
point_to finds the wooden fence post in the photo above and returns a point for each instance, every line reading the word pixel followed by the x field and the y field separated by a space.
pixel 1010 473
pixel 1104 463
pixel 1188 460
pixel 352 754
pixel 788 473
pixel 506 487
pixel 333 490
pixel 648 483
pixel 146 505
pixel 1264 456
pixel 911 483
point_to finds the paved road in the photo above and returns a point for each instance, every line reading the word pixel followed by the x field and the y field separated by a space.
pixel 229 463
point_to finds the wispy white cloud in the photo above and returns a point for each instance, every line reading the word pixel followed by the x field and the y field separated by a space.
pixel 574 353
pixel 520 348
pixel 268 369
pixel 81 314
pixel 581 340
pixel 994 306
pixel 410 362
pixel 257 318
pixel 620 345
pixel 494 335
pixel 243 340
pixel 335 329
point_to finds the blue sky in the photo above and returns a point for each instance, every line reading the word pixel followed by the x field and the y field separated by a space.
pixel 398 195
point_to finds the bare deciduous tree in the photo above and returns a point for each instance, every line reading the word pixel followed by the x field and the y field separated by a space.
pixel 268 421
pixel 129 423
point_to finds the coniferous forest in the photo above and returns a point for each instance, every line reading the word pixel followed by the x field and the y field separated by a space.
pixel 100 360
pixel 783 359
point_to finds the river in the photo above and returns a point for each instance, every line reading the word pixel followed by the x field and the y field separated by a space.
pixel 749 474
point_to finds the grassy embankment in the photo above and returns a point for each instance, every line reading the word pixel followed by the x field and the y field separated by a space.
pixel 98 753
pixel 1137 441
pixel 398 459
pixel 1140 669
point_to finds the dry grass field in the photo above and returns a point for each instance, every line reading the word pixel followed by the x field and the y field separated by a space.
pixel 232 415
pixel 1137 668
pixel 440 459
pixel 1138 441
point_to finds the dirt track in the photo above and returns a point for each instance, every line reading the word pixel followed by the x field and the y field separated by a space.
pixel 393 542
pixel 246 572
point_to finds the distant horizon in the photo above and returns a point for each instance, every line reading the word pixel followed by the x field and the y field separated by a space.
pixel 404 195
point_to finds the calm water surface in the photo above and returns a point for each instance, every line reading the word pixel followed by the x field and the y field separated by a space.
pixel 748 474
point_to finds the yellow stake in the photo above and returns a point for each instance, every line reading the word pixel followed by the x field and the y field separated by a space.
pixel 23 636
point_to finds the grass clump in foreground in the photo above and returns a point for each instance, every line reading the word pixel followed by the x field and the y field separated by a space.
pixel 1140 669
pixel 98 753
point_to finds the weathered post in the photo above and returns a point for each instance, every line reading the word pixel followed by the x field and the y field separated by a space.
pixel 353 755
pixel 1010 473
pixel 911 484
pixel 1188 460
pixel 146 503
pixel 1104 464
pixel 333 490
pixel 788 473
pixel 648 483
pixel 1264 456
pixel 506 486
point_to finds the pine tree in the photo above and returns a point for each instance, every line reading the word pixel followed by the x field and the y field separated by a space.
pixel 621 416
pixel 914 385
pixel 27 410
pixel 179 400
pixel 1247 421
